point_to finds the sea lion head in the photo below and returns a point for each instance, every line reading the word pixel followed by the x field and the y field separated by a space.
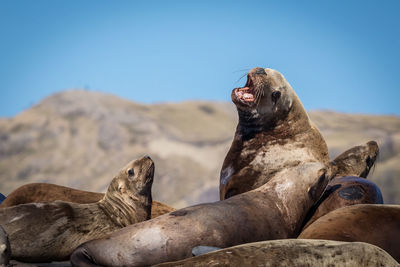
pixel 265 99
pixel 129 193
pixel 358 160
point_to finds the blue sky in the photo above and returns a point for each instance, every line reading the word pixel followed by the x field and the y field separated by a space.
pixel 337 55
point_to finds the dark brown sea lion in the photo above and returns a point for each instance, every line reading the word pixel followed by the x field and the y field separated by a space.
pixel 292 252
pixel 371 223
pixel 345 191
pixel 349 190
pixel 43 192
pixel 274 133
pixel 5 250
pixel 50 231
pixel 272 211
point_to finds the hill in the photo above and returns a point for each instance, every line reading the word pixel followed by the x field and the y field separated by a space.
pixel 81 139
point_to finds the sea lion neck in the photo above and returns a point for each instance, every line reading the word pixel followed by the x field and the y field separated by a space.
pixel 251 123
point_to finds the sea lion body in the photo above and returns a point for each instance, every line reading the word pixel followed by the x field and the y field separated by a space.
pixel 345 191
pixel 272 211
pixel 44 192
pixel 51 231
pixel 371 223
pixel 274 133
pixel 293 252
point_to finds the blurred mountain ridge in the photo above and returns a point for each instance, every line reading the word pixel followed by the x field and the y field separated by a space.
pixel 82 138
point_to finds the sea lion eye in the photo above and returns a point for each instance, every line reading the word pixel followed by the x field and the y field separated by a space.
pixel 131 172
pixel 275 96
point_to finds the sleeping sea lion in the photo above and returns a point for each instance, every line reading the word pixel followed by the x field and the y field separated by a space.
pixel 292 252
pixel 375 224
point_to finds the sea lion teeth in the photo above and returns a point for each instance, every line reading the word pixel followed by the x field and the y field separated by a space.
pixel 248 97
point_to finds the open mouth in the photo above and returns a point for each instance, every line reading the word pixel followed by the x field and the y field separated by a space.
pixel 246 93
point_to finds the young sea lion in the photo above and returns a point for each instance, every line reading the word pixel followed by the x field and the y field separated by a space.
pixel 51 231
pixel 44 192
pixel 376 224
pixel 273 211
pixel 274 133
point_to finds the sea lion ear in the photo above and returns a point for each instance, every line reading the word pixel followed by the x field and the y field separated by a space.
pixel 275 95
pixel 315 191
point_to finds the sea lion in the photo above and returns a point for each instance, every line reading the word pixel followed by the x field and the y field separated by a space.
pixel 274 133
pixel 371 223
pixel 349 190
pixel 50 231
pixel 345 191
pixel 272 211
pixel 5 250
pixel 357 161
pixel 44 192
pixel 292 252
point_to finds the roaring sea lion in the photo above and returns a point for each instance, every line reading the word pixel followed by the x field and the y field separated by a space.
pixel 274 133
pixel 50 231
pixel 371 223
pixel 5 251
pixel 43 192
pixel 351 189
pixel 272 211
pixel 293 252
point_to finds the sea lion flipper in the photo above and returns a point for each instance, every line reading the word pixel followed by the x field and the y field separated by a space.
pixel 315 191
pixel 200 250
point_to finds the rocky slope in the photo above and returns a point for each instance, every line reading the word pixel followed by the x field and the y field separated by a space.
pixel 80 139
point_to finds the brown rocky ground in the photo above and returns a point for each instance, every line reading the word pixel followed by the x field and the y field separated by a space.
pixel 81 139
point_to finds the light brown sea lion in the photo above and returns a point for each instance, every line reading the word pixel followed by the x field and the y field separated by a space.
pixel 357 161
pixel 50 231
pixel 371 223
pixel 292 252
pixel 272 211
pixel 5 250
pixel 274 133
pixel 351 189
pixel 44 192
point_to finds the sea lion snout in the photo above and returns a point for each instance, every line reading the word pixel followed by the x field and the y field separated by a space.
pixel 259 71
